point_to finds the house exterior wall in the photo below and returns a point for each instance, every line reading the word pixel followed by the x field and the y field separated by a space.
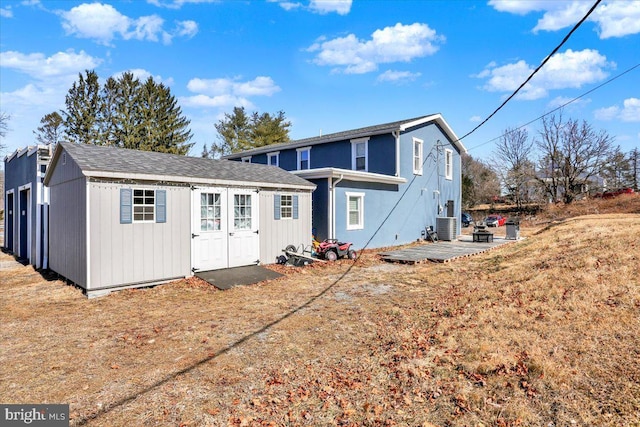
pixel 276 234
pixel 139 252
pixel 422 203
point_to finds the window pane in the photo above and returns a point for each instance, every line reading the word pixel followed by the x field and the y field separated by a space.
pixel 360 149
pixel 360 163
pixel 138 193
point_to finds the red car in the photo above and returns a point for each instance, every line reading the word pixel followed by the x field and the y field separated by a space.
pixel 495 220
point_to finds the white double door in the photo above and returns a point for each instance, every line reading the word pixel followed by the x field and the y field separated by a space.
pixel 224 228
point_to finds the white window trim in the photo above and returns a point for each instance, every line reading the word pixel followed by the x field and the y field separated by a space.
pixel 272 155
pixel 360 225
pixel 246 159
pixel 448 164
pixel 299 153
pixel 354 144
pixel 133 206
pixel 282 217
pixel 413 155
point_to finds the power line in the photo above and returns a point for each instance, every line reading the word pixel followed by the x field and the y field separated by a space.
pixel 534 71
pixel 561 106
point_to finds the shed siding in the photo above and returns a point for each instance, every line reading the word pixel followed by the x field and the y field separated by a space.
pixel 123 254
pixel 275 235
pixel 67 231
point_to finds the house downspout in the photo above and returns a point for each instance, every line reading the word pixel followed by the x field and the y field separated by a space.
pixel 332 213
pixel 396 134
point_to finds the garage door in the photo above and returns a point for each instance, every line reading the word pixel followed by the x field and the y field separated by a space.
pixel 224 228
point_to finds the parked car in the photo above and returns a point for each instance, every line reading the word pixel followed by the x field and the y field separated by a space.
pixel 614 193
pixel 495 220
pixel 466 219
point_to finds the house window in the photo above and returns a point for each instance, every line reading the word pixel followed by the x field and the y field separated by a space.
pixel 273 159
pixel 417 156
pixel 246 159
pixel 210 211
pixel 359 154
pixel 144 203
pixel 355 211
pixel 242 212
pixel 304 158
pixel 448 164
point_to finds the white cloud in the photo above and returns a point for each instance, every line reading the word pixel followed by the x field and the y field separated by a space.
pixel 398 76
pixel 95 21
pixel 61 64
pixel 223 92
pixel 5 12
pixel 400 43
pixel 571 69
pixel 614 18
pixel 288 5
pixel 142 75
pixel 177 4
pixel 567 102
pixel 630 111
pixel 475 119
pixel 103 23
pixel 341 7
pixel 186 28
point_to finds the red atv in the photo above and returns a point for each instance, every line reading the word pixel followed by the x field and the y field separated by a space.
pixel 331 250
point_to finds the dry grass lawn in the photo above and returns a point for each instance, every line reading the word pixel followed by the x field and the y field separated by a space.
pixel 542 332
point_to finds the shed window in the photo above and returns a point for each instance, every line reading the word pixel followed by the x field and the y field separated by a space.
pixel 144 203
pixel 448 164
pixel 210 207
pixel 242 212
pixel 285 206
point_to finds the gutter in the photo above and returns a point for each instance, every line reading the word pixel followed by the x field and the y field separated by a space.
pixel 396 134
pixel 332 210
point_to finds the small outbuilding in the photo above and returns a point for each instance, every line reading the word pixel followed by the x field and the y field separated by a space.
pixel 124 218
pixel 26 204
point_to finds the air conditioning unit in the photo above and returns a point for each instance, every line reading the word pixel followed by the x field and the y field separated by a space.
pixel 446 227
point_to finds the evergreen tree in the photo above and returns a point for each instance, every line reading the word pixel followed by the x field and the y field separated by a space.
pixel 108 117
pixel 163 127
pixel 128 112
pixel 51 130
pixel 83 105
pixel 234 132
pixel 267 129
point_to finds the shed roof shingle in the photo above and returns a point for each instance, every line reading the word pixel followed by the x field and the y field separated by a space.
pixel 111 160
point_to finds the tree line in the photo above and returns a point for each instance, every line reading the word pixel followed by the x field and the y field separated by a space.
pixel 124 112
pixel 566 159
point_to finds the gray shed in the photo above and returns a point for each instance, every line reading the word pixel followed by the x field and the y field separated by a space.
pixel 125 218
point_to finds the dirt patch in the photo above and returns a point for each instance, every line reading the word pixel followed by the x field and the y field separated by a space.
pixel 538 333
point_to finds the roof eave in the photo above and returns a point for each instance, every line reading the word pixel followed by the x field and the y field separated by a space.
pixel 191 180
pixel 350 175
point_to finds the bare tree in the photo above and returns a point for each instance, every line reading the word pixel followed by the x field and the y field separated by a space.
pixel 573 154
pixel 513 165
pixel 4 128
pixel 479 182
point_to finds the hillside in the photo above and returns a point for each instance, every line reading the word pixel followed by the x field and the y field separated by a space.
pixel 541 332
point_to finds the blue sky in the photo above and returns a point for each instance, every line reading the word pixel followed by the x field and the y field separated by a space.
pixel 332 65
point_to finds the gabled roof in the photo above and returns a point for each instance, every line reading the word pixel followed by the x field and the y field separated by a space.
pixel 401 125
pixel 119 163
